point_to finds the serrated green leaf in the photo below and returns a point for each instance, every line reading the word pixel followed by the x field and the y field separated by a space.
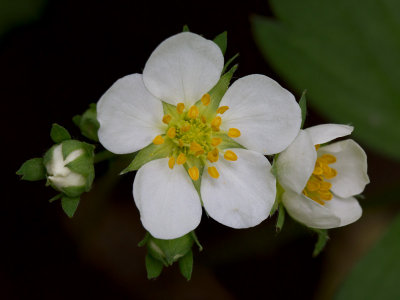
pixel 32 170
pixel 69 205
pixel 153 267
pixel 281 218
pixel 222 41
pixel 185 28
pixel 186 265
pixel 323 238
pixel 59 134
pixel 303 107
pixel 344 55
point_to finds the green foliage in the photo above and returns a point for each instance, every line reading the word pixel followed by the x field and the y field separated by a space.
pixel 87 123
pixel 32 170
pixel 59 134
pixel 323 238
pixel 69 205
pixel 186 265
pixel 346 56
pixel 222 41
pixel 153 266
pixel 303 107
pixel 376 275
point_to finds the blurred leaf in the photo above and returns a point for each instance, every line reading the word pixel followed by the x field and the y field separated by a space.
pixel 186 265
pixel 222 41
pixel 153 267
pixel 32 170
pixel 303 107
pixel 59 134
pixel 323 238
pixel 345 55
pixel 377 274
pixel 69 205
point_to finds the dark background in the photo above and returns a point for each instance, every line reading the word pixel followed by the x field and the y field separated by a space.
pixel 51 69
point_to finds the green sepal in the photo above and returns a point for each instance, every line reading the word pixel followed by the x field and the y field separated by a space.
pixel 32 170
pixel 71 191
pixel 195 161
pixel 87 123
pixel 70 146
pixel 196 240
pixel 149 153
pixel 278 197
pixel 185 28
pixel 186 265
pixel 303 107
pixel 281 218
pixel 228 63
pixel 323 238
pixel 170 109
pixel 153 267
pixel 56 197
pixel 144 240
pixel 84 165
pixel 222 41
pixel 227 142
pixel 69 205
pixel 59 134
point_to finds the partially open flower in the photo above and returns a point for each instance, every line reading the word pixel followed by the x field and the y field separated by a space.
pixel 171 108
pixel 320 180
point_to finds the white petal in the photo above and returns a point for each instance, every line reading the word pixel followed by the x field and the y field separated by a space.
pixel 168 203
pixel 296 163
pixel 266 114
pixel 324 133
pixel 243 194
pixel 351 167
pixel 183 68
pixel 130 117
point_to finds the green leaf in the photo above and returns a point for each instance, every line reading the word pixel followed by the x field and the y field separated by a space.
pixel 345 56
pixel 59 134
pixel 303 107
pixel 69 205
pixel 376 275
pixel 153 266
pixel 88 123
pixel 185 28
pixel 281 218
pixel 148 154
pixel 222 41
pixel 323 238
pixel 186 265
pixel 32 170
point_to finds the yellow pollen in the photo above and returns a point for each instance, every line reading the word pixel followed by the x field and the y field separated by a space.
pixel 216 141
pixel 194 173
pixel 193 112
pixel 171 132
pixel 181 159
pixel 166 119
pixel 171 162
pixel 206 99
pixel 158 140
pixel 212 171
pixel 233 132
pixel 185 127
pixel 180 107
pixel 230 155
pixel 215 123
pixel 222 109
pixel 213 156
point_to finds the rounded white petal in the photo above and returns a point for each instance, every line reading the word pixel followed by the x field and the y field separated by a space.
pixel 351 167
pixel 324 133
pixel 243 194
pixel 129 116
pixel 266 114
pixel 183 68
pixel 296 163
pixel 168 203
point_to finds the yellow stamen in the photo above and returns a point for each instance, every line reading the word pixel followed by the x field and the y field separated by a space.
pixel 180 107
pixel 327 158
pixel 233 132
pixel 325 186
pixel 222 109
pixel 171 132
pixel 185 127
pixel 325 195
pixel 193 112
pixel 332 173
pixel 215 123
pixel 196 148
pixel 158 140
pixel 206 99
pixel 212 171
pixel 213 156
pixel 181 159
pixel 171 162
pixel 216 141
pixel 230 155
pixel 194 173
pixel 166 119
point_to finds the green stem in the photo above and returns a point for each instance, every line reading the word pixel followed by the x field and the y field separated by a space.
pixel 103 155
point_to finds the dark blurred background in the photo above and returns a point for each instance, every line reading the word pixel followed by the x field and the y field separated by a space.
pixel 56 57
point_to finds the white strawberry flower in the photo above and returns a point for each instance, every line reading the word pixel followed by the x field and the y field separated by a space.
pixel 238 189
pixel 320 181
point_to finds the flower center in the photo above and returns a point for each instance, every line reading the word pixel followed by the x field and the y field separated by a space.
pixel 196 138
pixel 317 188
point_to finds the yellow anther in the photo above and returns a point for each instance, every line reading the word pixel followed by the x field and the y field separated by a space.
pixel 206 99
pixel 166 119
pixel 216 141
pixel 213 156
pixel 215 123
pixel 327 158
pixel 233 132
pixel 181 159
pixel 325 195
pixel 212 171
pixel 180 107
pixel 185 127
pixel 158 140
pixel 196 148
pixel 171 162
pixel 313 184
pixel 230 155
pixel 180 143
pixel 171 132
pixel 325 186
pixel 222 109
pixel 194 173
pixel 332 173
pixel 193 112
pixel 317 146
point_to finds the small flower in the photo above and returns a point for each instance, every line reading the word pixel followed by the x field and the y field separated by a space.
pixel 169 107
pixel 321 180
